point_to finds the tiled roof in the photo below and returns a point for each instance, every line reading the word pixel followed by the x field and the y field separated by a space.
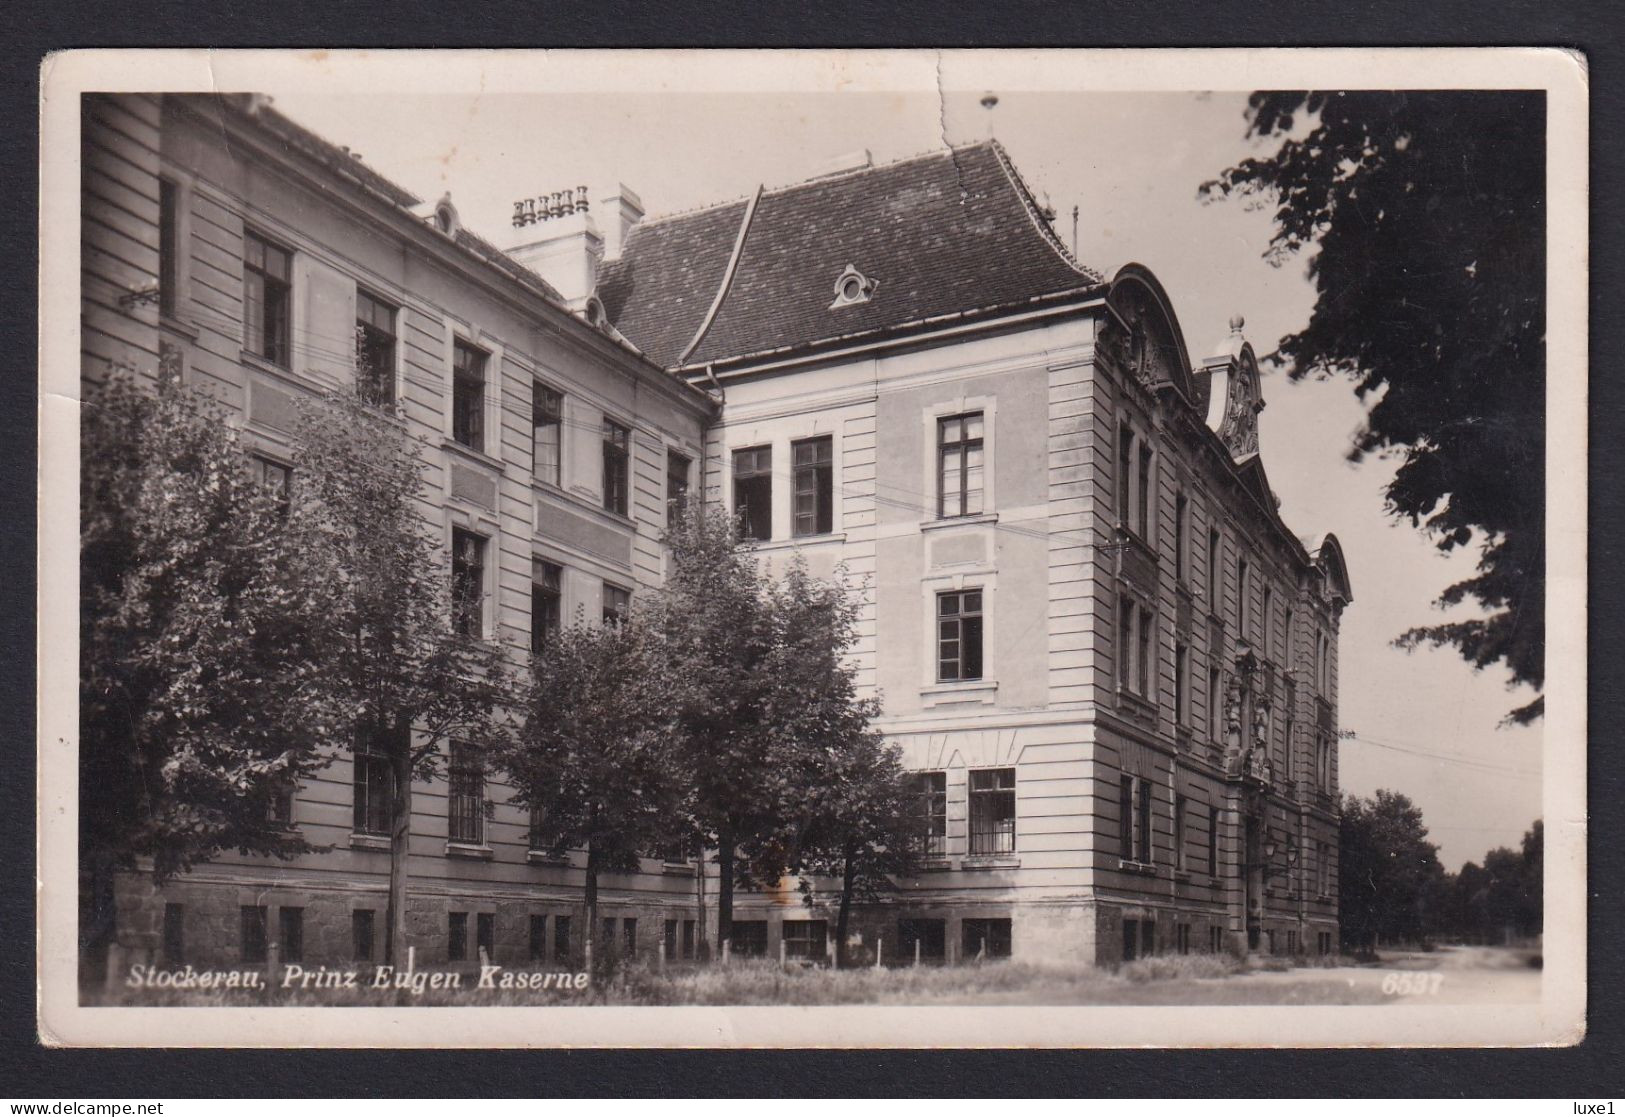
pixel 949 233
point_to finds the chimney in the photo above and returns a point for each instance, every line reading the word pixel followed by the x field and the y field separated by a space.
pixel 619 210
pixel 555 236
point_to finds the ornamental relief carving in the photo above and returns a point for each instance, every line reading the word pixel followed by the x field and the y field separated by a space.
pixel 1239 429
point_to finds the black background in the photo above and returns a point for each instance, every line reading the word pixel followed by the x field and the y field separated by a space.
pixel 31 1072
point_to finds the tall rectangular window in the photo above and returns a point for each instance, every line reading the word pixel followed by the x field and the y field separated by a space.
pixel 1182 688
pixel 1268 621
pixel 1215 707
pixel 814 486
pixel 677 482
pixel 1214 555
pixel 275 480
pixel 546 602
pixel 1179 833
pixel 1125 476
pixel 629 936
pixel 467 582
pixel 374 350
pixel 1146 655
pixel 959 636
pixel 617 466
pixel 457 936
pixel 1244 599
pixel 282 805
pixel 292 925
pixel 374 786
pixel 561 938
pixel 169 249
pixel 1286 649
pixel 992 811
pixel 1146 505
pixel 959 465
pixel 932 790
pixel 1125 818
pixel 538 939
pixel 753 491
pixel 1127 674
pixel 267 298
pixel 547 434
pixel 468 395
pixel 253 934
pixel 1213 840
pixel 1142 825
pixel 1182 516
pixel 485 933
pixel 465 806
pixel 174 934
pixel 361 934
pixel 617 604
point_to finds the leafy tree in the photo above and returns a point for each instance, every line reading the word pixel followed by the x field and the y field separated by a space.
pixel 411 683
pixel 594 758
pixel 203 638
pixel 1426 213
pixel 1386 869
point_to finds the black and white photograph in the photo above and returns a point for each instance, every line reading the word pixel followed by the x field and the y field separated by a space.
pixel 813 548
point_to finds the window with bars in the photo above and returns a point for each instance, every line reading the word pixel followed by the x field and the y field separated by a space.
pixel 546 602
pixel 959 465
pixel 677 482
pixel 374 349
pixel 806 938
pixel 468 395
pixel 547 434
pixel 465 799
pixel 992 811
pixel 373 781
pixel 959 636
pixel 617 466
pixel 932 791
pixel 467 582
pixel 267 298
pixel 169 249
pixel 617 604
pixel 814 459
pixel 753 491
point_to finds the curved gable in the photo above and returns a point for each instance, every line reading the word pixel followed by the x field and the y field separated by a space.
pixel 1143 335
pixel 1329 559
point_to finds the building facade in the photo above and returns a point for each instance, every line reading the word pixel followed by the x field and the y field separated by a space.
pixel 1110 665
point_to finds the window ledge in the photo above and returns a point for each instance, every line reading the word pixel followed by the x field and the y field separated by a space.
pixel 990 861
pixel 369 841
pixel 180 326
pixel 677 868
pixel 982 691
pixel 543 857
pixel 478 457
pixel 282 372
pixel 472 852
pixel 959 521
pixel 939 864
pixel 1126 697
pixel 1182 876
pixel 1144 868
pixel 800 541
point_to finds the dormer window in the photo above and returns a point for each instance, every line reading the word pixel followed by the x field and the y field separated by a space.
pixel 852 287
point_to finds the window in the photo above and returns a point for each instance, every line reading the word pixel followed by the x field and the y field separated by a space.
pixel 374 350
pixel 465 820
pixel 677 469
pixel 547 434
pixel 1215 937
pixel 1146 647
pixel 274 479
pixel 485 934
pixel 1268 620
pixel 374 786
pixel 1213 840
pixel 1125 818
pixel 1323 666
pixel 1125 474
pixel 814 486
pixel 985 938
pixel 1323 870
pixel 1286 652
pixel 1215 706
pixel 561 938
pixel 1135 662
pixel 253 934
pixel 1180 862
pixel 538 939
pixel 959 636
pixel 688 938
pixel 468 395
pixel 1182 516
pixel 617 466
pixel 1145 503
pixel 467 582
pixel 169 249
pixel 456 936
pixel 629 936
pixel 1288 759
pixel 753 492
pixel 1244 603
pixel 1131 939
pixel 959 465
pixel 1134 814
pixel 174 934
pixel 1323 765
pixel 1182 689
pixel 282 805
pixel 748 938
pixel 361 934
pixel 925 939
pixel 537 835
pixel 546 598
pixel 608 938
pixel 992 811
pixel 291 923
pixel 267 297
pixel 1182 937
pixel 1213 558
pixel 932 789
pixel 669 940
pixel 617 604
pixel 806 939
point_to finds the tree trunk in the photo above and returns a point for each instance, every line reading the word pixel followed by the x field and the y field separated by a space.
pixel 844 912
pixel 725 891
pixel 400 842
pixel 703 948
pixel 594 956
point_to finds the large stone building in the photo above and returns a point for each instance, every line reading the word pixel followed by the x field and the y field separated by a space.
pixel 1109 663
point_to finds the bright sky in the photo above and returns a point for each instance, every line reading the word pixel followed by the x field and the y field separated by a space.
pixel 1131 162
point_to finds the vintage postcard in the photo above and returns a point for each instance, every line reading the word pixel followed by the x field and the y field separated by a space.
pixel 813 548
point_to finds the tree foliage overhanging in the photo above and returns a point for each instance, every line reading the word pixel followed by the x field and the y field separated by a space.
pixel 1426 215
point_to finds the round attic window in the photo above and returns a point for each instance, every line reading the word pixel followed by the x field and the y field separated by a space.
pixel 852 287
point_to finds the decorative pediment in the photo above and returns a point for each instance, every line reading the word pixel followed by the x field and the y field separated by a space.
pixel 1238 395
pixel 1141 336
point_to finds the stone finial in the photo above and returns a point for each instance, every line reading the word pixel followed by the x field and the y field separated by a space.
pixel 1236 323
